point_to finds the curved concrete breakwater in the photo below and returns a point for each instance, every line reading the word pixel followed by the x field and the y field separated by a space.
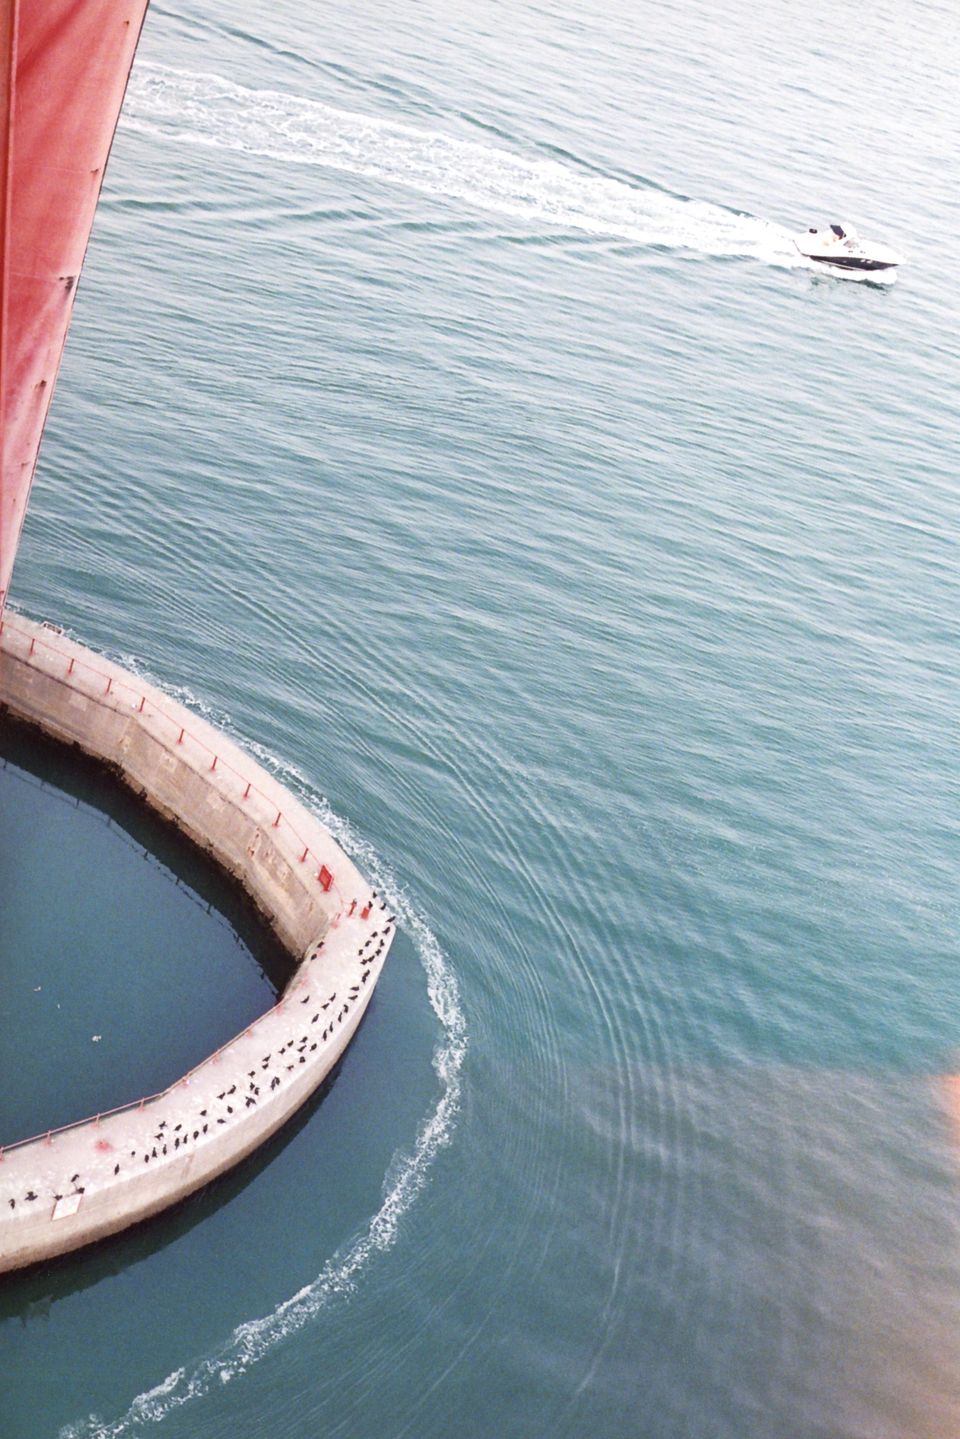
pixel 64 1189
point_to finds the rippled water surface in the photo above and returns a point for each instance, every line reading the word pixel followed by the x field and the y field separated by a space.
pixel 447 413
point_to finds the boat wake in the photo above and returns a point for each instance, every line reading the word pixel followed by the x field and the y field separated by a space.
pixel 253 1339
pixel 208 110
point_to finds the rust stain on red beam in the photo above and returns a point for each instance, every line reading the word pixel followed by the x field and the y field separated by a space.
pixel 66 63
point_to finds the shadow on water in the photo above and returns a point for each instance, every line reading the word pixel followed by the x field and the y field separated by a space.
pixel 30 1293
pixel 94 786
pixel 78 781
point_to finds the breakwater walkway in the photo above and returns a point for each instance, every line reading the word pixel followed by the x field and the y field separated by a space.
pixel 67 1188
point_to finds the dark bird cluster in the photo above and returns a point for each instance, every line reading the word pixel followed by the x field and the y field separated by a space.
pixel 180 1137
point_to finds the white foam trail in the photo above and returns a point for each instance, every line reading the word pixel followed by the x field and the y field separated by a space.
pixel 208 110
pixel 405 1179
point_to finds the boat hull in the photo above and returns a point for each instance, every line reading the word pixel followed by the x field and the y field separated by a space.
pixel 876 276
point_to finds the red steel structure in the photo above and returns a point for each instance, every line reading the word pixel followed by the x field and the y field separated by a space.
pixel 63 72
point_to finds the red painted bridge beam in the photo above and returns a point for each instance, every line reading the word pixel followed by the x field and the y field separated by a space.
pixel 63 72
pixel 8 89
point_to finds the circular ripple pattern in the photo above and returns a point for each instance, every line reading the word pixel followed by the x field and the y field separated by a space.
pixel 440 409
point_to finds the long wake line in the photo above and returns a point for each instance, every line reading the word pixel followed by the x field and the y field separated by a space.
pixel 253 1339
pixel 209 110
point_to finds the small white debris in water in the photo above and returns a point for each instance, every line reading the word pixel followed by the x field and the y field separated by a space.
pixel 37 988
pixel 96 1038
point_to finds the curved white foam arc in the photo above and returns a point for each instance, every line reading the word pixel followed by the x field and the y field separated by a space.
pixel 254 1338
pixel 208 110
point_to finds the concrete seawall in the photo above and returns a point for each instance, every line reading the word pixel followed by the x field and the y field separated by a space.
pixel 66 1189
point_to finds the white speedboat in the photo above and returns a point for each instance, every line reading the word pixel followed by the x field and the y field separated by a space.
pixel 838 250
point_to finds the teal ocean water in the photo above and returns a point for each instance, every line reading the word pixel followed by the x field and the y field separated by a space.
pixel 446 413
